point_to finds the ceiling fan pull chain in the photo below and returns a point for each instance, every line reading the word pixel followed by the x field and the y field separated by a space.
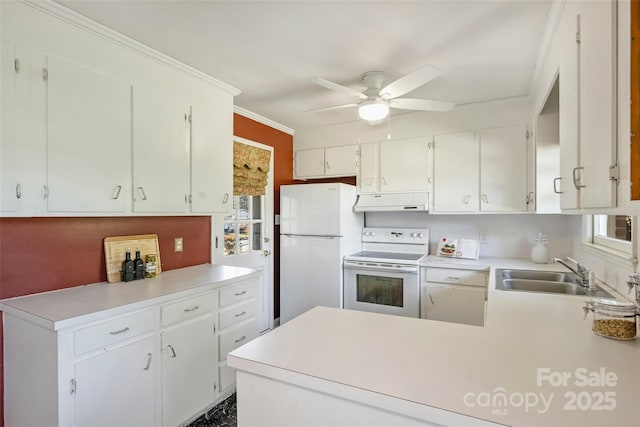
pixel 389 128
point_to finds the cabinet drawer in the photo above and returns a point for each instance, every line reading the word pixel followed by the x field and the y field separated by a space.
pixel 238 313
pixel 237 336
pixel 112 331
pixel 239 292
pixel 459 277
pixel 188 308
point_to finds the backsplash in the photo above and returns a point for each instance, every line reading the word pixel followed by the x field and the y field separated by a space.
pixel 505 235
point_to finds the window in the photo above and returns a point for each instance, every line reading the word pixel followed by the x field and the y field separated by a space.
pixel 613 232
pixel 244 226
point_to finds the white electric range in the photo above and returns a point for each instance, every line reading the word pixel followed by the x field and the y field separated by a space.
pixel 385 276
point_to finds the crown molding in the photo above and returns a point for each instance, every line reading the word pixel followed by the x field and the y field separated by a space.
pixel 553 22
pixel 69 16
pixel 260 119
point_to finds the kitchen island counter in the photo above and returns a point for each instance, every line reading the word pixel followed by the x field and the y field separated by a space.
pixel 535 363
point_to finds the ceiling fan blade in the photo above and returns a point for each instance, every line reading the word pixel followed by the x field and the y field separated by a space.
pixel 335 107
pixel 421 104
pixel 338 88
pixel 409 82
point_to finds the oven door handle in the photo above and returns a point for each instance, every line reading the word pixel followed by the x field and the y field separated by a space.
pixel 358 266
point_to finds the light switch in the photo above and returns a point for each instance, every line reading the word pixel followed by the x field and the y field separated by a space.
pixel 177 244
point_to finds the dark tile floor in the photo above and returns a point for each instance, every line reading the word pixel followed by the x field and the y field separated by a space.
pixel 222 415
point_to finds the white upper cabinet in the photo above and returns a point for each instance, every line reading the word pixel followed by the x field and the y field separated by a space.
pixel 503 171
pixel 405 165
pixel 455 173
pixel 402 165
pixel 326 162
pixel 340 161
pixel 88 139
pixel 588 106
pixel 309 163
pixel 10 185
pixel 368 168
pixel 160 153
pixel 212 157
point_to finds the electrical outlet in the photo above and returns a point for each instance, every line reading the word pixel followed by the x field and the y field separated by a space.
pixel 177 246
pixel 482 237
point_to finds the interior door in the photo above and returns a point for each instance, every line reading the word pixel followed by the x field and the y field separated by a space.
pixel 244 238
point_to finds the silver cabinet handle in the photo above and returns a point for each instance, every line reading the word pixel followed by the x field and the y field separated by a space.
pixel 431 299
pixel 120 331
pixel 242 338
pixel 117 192
pixel 142 193
pixel 328 167
pixel 45 191
pixel 225 199
pixel 576 178
pixel 485 199
pixel 241 314
pixel 192 308
pixel 384 181
pixel 148 364
pixel 173 352
pixel 467 199
pixel 555 187
pixel 453 278
pixel 241 293
pixel 18 191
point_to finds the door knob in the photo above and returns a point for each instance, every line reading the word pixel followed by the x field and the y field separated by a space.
pixel 266 252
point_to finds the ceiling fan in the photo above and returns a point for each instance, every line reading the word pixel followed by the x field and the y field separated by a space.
pixel 376 99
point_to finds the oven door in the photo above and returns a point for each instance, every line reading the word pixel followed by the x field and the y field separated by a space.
pixel 382 288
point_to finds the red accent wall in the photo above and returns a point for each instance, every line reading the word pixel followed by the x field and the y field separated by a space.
pixel 282 144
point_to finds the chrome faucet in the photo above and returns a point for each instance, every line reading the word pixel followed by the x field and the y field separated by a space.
pixel 580 270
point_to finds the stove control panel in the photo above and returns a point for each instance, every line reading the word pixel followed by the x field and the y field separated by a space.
pixel 415 236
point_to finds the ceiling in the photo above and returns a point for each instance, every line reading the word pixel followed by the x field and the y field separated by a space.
pixel 486 49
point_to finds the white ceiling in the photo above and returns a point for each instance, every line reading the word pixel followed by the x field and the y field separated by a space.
pixel 486 49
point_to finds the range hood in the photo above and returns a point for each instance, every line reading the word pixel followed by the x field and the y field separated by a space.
pixel 382 202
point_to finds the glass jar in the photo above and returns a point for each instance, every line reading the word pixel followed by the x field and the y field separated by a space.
pixel 613 319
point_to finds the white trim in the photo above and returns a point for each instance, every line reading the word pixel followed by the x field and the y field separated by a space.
pixel 71 17
pixel 553 21
pixel 260 119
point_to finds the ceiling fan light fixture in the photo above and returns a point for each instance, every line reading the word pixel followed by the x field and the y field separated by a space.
pixel 373 110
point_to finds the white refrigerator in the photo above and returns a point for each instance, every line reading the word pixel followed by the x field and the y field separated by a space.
pixel 318 227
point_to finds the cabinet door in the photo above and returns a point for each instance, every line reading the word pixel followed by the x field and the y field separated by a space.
pixel 309 163
pixel 117 388
pixel 189 368
pixel 455 173
pixel 340 161
pixel 160 153
pixel 404 165
pixel 503 169
pixel 10 185
pixel 88 139
pixel 367 177
pixel 597 104
pixel 212 157
pixel 453 303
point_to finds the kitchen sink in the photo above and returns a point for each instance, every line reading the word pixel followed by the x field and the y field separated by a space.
pixel 544 281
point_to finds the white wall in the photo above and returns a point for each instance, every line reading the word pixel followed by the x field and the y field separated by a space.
pixel 507 235
pixel 506 112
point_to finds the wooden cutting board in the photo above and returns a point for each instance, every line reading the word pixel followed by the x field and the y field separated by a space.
pixel 115 249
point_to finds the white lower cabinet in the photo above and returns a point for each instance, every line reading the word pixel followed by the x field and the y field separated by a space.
pixel 107 384
pixel 451 295
pixel 239 324
pixel 161 364
pixel 189 380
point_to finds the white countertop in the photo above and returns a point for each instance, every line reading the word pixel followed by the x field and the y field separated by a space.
pixel 454 367
pixel 62 308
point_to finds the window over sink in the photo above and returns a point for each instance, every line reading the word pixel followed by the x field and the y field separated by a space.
pixel 613 232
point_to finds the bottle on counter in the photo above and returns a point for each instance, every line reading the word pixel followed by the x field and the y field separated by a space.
pixel 540 250
pixel 138 266
pixel 128 271
pixel 150 265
